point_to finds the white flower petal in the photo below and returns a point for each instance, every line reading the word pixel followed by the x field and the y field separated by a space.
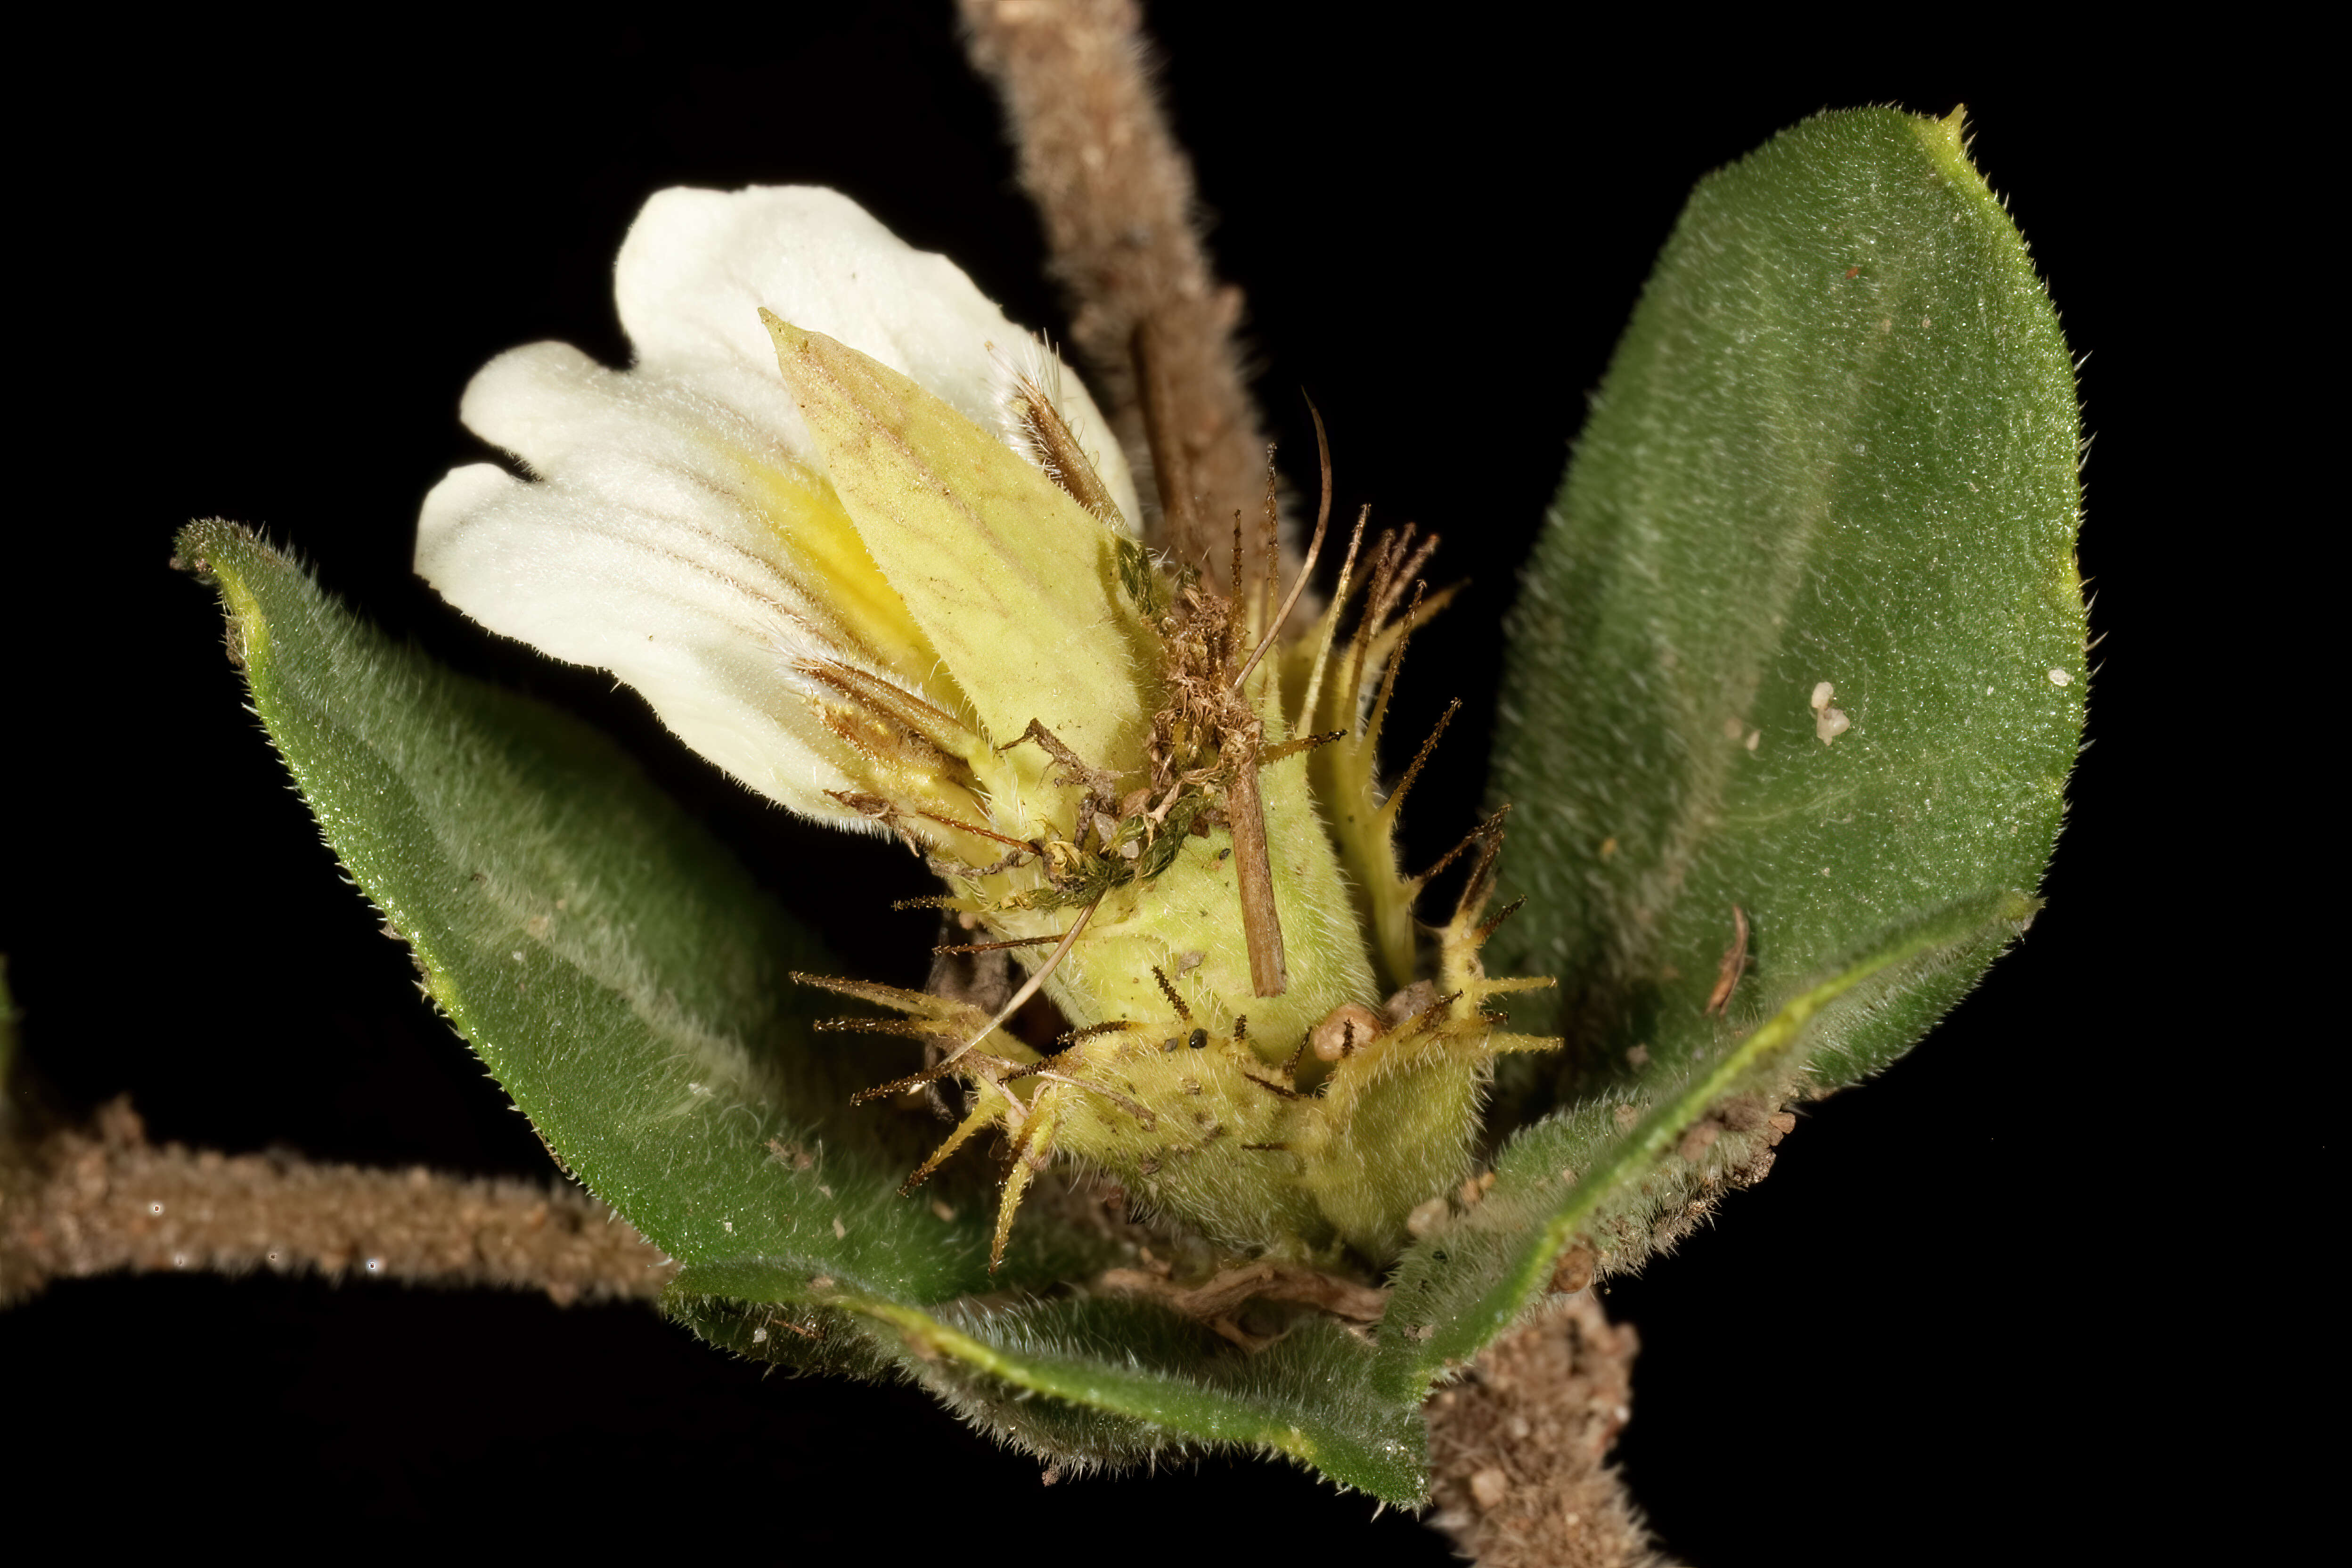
pixel 680 532
pixel 634 436
pixel 639 593
pixel 699 265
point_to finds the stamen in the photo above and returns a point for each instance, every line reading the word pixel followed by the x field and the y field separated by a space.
pixel 1102 781
pixel 926 722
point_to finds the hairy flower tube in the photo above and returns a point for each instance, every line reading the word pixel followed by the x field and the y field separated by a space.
pixel 858 542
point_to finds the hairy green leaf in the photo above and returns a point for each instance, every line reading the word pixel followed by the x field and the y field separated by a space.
pixel 626 984
pixel 1837 445
pixel 614 967
pixel 1090 1379
pixel 1796 679
pixel 1621 1172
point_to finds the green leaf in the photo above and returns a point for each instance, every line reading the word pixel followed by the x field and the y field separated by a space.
pixel 1620 1172
pixel 614 967
pixel 626 984
pixel 1838 444
pixel 1092 1379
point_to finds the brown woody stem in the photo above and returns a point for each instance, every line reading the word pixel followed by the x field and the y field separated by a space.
pixel 1115 195
pixel 83 1203
pixel 1517 1447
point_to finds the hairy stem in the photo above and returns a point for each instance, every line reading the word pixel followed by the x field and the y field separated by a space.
pixel 1515 1447
pixel 1115 195
pixel 82 1202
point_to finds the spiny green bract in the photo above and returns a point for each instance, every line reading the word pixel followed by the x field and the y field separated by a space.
pixel 1256 1044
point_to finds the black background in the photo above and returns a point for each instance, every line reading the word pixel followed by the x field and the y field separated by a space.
pixel 262 269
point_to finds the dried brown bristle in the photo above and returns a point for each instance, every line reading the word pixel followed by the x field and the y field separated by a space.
pixel 995 946
pixel 1491 825
pixel 1274 556
pixel 1494 921
pixel 1377 719
pixel 1395 801
pixel 1169 991
pixel 1058 452
pixel 1079 1036
pixel 1102 781
pixel 976 829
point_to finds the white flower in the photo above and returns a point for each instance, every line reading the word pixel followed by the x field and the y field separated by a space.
pixel 680 528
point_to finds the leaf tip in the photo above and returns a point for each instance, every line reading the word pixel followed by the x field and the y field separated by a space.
pixel 210 549
pixel 1955 128
pixel 193 547
pixel 1946 142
